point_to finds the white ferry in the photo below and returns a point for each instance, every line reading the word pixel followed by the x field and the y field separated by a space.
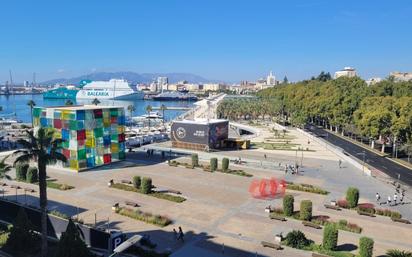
pixel 118 89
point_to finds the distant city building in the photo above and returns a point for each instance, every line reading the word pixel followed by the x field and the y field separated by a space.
pixel 162 83
pixel 271 80
pixel 401 76
pixel 346 72
pixel 373 81
pixel 26 83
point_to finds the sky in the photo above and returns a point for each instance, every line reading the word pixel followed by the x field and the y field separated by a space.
pixel 229 40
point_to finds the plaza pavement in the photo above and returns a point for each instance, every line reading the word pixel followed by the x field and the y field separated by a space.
pixel 220 210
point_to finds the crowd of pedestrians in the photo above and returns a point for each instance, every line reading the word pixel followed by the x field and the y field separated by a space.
pixel 398 198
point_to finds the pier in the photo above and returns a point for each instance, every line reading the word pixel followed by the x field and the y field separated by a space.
pixel 176 108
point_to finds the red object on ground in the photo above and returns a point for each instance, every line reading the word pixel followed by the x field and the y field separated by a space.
pixel 267 188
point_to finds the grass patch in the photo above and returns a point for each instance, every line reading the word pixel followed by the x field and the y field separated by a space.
pixel 59 214
pixel 147 217
pixel 306 188
pixel 55 185
pixel 4 235
pixel 160 195
pixel 341 224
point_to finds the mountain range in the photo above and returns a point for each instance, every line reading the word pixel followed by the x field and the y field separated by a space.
pixel 132 77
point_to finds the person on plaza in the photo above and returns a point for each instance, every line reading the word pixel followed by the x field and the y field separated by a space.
pixel 395 197
pixel 265 156
pixel 389 200
pixel 175 234
pixel 181 235
pixel 286 169
pixel 401 198
pixel 340 163
pixel 378 198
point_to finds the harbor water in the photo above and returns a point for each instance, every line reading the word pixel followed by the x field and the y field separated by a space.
pixel 18 104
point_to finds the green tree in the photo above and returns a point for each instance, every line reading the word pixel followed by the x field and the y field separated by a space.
pixel 163 108
pixel 225 164
pixel 71 244
pixel 365 247
pixel 4 168
pixel 21 171
pixel 137 181
pixel 213 164
pixel 96 101
pixel 146 185
pixel 131 109
pixel 306 210
pixel 330 237
pixel 285 80
pixel 32 175
pixel 297 239
pixel 352 196
pixel 42 148
pixel 149 109
pixel 31 104
pixel 21 237
pixel 195 160
pixel 288 202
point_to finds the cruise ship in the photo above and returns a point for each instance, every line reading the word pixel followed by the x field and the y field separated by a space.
pixel 175 96
pixel 114 89
pixel 118 89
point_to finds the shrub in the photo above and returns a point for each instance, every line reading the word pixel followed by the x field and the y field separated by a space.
pixel 288 201
pixel 343 204
pixel 366 209
pixel 213 164
pixel 365 247
pixel 137 181
pixel 225 164
pixel 306 210
pixel 297 239
pixel 21 234
pixel 195 160
pixel 144 216
pixel 146 185
pixel 32 175
pixel 398 253
pixel 21 171
pixel 352 196
pixel 395 215
pixel 330 237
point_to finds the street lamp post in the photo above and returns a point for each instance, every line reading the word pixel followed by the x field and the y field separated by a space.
pixel 363 153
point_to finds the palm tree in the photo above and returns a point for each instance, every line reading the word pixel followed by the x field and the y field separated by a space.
pixel 4 168
pixel 149 108
pixel 163 108
pixel 41 148
pixel 131 109
pixel 69 102
pixel 96 101
pixel 31 103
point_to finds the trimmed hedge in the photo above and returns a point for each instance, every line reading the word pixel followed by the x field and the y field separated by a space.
pixel 225 164
pixel 21 171
pixel 137 181
pixel 352 196
pixel 146 185
pixel 32 175
pixel 365 247
pixel 213 164
pixel 288 201
pixel 144 216
pixel 306 210
pixel 160 195
pixel 297 239
pixel 330 237
pixel 195 160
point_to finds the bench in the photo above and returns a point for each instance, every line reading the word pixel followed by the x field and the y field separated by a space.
pixel 311 224
pixel 124 181
pixel 333 207
pixel 271 245
pixel 275 217
pixel 133 204
pixel 319 255
pixel 174 191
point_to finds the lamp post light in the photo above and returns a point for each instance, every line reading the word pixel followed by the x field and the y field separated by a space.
pixel 17 188
pixel 363 158
pixel 25 195
pixel 3 186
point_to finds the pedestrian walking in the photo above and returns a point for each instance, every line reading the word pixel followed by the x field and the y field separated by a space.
pixel 181 235
pixel 175 234
pixel 401 199
pixel 340 163
pixel 378 198
pixel 395 197
pixel 389 200
pixel 264 156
